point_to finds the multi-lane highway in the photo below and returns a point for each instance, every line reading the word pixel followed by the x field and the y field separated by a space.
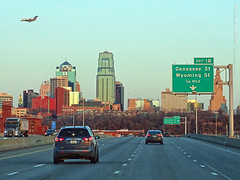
pixel 128 158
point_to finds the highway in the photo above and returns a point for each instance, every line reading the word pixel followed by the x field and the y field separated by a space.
pixel 128 158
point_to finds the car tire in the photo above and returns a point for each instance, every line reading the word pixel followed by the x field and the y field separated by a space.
pixel 93 159
pixel 98 156
pixel 56 160
pixel 146 142
pixel 161 143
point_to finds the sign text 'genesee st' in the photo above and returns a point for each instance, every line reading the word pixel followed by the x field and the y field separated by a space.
pixel 189 78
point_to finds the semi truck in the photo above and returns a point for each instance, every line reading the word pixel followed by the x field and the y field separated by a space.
pixel 16 127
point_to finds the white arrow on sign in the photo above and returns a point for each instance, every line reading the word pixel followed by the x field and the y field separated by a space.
pixel 193 87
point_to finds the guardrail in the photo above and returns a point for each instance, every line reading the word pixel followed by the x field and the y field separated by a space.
pixel 223 140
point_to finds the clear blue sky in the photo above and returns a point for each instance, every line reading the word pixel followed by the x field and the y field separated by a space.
pixel 145 36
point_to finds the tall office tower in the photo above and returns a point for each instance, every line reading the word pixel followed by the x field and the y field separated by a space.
pixel 5 97
pixel 105 83
pixel 120 94
pixel 57 82
pixel 69 71
pixel 45 89
pixel 27 98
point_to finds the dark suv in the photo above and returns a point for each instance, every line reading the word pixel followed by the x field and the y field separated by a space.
pixel 154 136
pixel 75 142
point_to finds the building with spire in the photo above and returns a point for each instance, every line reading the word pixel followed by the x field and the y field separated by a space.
pixel 105 81
pixel 218 101
pixel 69 71
pixel 20 101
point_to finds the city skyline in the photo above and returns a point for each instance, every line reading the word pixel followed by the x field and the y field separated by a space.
pixel 145 38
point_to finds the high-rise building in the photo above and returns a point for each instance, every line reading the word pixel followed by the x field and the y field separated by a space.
pixel 105 83
pixel 45 89
pixel 62 99
pixel 173 102
pixel 5 97
pixel 218 101
pixel 27 98
pixel 57 82
pixel 120 94
pixel 69 71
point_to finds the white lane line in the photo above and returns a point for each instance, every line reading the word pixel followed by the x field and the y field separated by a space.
pixel 124 164
pixel 202 166
pixel 116 172
pixel 218 172
pixel 10 174
pixel 184 153
pixel 194 160
pixel 182 150
pixel 188 156
pixel 133 155
pixel 39 165
pixel 129 159
pixel 215 174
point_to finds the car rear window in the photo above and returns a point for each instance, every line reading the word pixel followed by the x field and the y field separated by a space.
pixel 77 132
pixel 154 132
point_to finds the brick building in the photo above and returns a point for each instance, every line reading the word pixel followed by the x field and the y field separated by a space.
pixel 218 101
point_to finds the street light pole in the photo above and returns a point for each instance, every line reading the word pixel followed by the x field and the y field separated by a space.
pixel 83 111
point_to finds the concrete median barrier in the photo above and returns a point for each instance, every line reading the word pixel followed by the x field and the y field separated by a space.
pixel 223 140
pixel 17 143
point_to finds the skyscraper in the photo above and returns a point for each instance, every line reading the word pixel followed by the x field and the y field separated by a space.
pixel 120 94
pixel 69 71
pixel 105 83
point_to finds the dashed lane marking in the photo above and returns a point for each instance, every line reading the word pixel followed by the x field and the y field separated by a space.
pixel 39 165
pixel 116 172
pixel 215 174
pixel 202 166
pixel 124 164
pixel 10 174
pixel 129 159
pixel 194 160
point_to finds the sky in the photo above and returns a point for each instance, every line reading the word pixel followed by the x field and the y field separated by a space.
pixel 145 36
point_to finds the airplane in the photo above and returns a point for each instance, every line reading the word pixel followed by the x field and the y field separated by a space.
pixel 30 19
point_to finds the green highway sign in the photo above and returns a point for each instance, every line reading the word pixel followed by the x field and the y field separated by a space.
pixel 203 60
pixel 192 78
pixel 171 120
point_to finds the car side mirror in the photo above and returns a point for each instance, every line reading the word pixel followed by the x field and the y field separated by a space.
pixel 97 137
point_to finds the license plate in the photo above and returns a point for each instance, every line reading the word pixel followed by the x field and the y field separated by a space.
pixel 154 136
pixel 73 142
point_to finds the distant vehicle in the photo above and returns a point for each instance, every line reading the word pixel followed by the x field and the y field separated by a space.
pixel 30 19
pixel 130 135
pixel 141 134
pixel 154 136
pixel 17 127
pixel 50 132
pixel 166 134
pixel 75 142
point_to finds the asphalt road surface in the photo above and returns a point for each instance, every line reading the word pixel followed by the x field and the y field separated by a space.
pixel 128 158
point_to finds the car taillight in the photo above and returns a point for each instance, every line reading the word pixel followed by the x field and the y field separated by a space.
pixel 159 135
pixel 59 139
pixel 88 139
pixel 149 135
